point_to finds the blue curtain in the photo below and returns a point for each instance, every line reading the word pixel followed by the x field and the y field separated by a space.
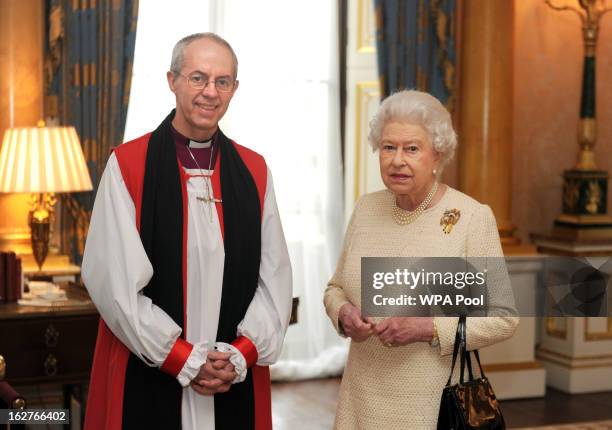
pixel 88 69
pixel 415 42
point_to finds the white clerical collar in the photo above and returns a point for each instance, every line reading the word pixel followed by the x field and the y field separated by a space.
pixel 196 144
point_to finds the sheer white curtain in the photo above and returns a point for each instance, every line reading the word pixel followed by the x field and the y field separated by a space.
pixel 287 109
pixel 160 26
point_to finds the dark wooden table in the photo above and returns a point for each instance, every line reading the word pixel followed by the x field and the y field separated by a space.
pixel 50 344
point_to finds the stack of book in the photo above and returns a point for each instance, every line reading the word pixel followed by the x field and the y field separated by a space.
pixel 11 277
pixel 43 293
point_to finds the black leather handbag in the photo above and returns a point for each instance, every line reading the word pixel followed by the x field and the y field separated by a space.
pixel 469 404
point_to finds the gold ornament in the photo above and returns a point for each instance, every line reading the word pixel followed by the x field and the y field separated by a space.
pixel 449 219
pixel 593 196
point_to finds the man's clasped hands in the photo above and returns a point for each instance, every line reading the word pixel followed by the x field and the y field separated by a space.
pixel 216 375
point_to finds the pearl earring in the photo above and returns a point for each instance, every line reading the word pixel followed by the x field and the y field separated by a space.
pixel 435 172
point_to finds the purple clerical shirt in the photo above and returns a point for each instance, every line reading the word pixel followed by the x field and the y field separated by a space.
pixel 201 154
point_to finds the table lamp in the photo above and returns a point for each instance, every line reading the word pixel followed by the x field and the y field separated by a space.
pixel 42 161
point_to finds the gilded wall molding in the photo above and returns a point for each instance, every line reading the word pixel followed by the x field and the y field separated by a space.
pixel 556 327
pixel 508 367
pixel 591 357
pixel 590 335
pixel 569 362
pixel 366 29
pixel 365 92
pixel 575 366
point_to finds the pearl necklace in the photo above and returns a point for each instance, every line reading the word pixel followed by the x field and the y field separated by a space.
pixel 403 217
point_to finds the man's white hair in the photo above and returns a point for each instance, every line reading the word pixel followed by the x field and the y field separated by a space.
pixel 178 51
pixel 417 108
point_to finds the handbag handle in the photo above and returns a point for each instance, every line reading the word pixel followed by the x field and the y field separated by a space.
pixel 458 348
pixel 465 355
pixel 455 351
pixel 482 374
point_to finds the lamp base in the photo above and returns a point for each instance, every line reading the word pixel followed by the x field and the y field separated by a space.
pixel 40 239
pixel 40 217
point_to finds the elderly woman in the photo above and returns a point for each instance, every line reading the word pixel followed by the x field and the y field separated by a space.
pixel 397 367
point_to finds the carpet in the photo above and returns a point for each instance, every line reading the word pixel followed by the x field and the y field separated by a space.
pixel 594 425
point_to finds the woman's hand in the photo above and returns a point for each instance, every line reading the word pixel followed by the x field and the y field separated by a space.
pixel 353 324
pixel 396 331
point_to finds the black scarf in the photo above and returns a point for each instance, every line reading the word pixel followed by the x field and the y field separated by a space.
pixel 151 397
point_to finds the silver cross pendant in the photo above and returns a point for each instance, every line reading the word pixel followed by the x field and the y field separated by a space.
pixel 208 201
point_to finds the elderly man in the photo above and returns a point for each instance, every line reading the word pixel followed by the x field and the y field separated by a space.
pixel 188 266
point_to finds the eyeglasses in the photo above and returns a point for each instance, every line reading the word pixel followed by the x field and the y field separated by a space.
pixel 199 82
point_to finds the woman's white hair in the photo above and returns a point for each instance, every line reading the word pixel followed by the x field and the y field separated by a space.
pixel 417 108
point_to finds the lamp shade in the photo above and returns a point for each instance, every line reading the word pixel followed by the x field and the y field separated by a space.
pixel 42 160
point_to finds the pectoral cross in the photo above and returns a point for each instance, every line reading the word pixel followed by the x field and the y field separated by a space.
pixel 209 199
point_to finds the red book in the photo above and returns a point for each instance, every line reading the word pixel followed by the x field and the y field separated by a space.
pixel 2 277
pixel 18 280
pixel 11 276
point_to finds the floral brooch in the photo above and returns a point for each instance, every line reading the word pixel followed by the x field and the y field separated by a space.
pixel 449 219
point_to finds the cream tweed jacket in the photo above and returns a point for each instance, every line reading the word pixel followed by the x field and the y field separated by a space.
pixel 400 387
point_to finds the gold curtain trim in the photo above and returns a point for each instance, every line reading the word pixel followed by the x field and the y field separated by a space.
pixel 86 74
pixel 53 58
pixel 378 15
pixel 76 75
pixel 114 77
pixel 422 22
pixel 445 30
pixel 86 144
pixel 79 225
pixel 52 106
pixel 134 16
pixel 94 74
pixel 95 151
pixel 127 84
pixel 421 79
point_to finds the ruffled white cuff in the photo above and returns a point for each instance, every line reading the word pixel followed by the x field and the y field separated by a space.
pixel 237 359
pixel 192 366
